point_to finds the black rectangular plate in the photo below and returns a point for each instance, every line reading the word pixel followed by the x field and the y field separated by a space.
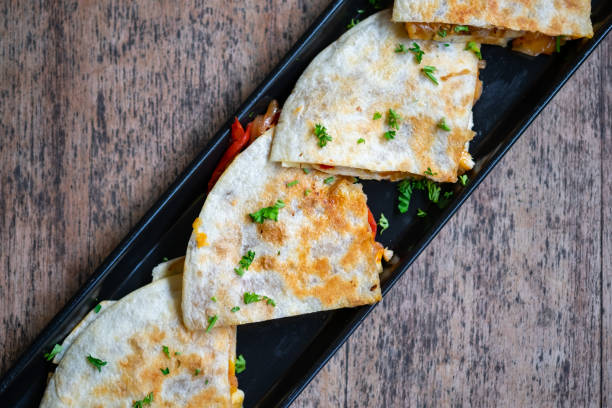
pixel 284 355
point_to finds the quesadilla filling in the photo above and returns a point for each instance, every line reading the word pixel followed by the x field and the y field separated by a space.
pixel 530 43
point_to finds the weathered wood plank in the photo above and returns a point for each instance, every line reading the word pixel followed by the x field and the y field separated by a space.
pixel 503 309
pixel 605 115
pixel 102 104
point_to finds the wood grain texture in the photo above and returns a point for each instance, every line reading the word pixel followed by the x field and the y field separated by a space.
pixel 102 104
pixel 605 105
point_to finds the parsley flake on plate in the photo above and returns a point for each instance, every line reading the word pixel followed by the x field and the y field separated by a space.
pixel 360 140
pixel 235 309
pixel 405 193
pixel 421 213
pixel 329 180
pixel 197 371
pixel 377 115
pixel 390 134
pixel 240 364
pixel 54 351
pixel 353 23
pixel 442 33
pixel 267 213
pixel 292 183
pixel 97 308
pixel 400 49
pixel 165 371
pixel 462 28
pixel 393 119
pixel 166 351
pixel 463 179
pixel 383 223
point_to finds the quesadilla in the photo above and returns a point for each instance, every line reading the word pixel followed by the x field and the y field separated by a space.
pixel 377 105
pixel 536 26
pixel 272 242
pixel 138 351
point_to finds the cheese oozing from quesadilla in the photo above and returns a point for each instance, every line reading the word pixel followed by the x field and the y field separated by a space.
pixel 273 242
pixel 536 26
pixel 138 350
pixel 378 105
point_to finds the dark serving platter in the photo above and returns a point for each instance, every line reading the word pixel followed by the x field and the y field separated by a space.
pixel 516 89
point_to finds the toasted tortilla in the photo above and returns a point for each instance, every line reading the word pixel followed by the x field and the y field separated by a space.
pixel 172 267
pixel 361 74
pixel 534 22
pixel 129 336
pixel 318 255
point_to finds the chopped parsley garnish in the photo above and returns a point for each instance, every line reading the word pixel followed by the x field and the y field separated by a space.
pixel 405 193
pixel 428 71
pixel 400 49
pixel 375 3
pixel 329 180
pixel 214 298
pixel 240 364
pixel 165 259
pixel 353 23
pixel 177 353
pixel 206 382
pixel 293 183
pixel 267 213
pixel 235 309
pixel 360 11
pixel 54 351
pixel 445 200
pixel 558 43
pixel 418 53
pixel 463 179
pixel 211 323
pixel 166 351
pixel 165 371
pixel 145 401
pixel 197 371
pixel 433 191
pixel 393 119
pixel 428 172
pixel 253 298
pixel 245 262
pixel 306 170
pixel 383 222
pixel 390 134
pixel 97 308
pixel 360 140
pixel 442 125
pixel 472 46
pixel 421 213
pixel 377 115
pixel 96 362
pixel 461 28
pixel 306 192
pixel 321 134
pixel 442 33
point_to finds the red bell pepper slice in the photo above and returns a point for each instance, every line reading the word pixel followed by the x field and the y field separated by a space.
pixel 372 223
pixel 239 138
pixel 325 166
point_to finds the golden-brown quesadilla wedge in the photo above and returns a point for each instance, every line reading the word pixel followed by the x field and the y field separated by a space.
pixel 139 351
pixel 272 242
pixel 536 26
pixel 377 105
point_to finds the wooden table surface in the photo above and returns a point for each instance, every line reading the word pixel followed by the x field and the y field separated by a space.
pixel 104 103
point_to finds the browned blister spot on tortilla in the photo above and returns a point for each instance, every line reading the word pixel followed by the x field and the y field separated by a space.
pixel 421 139
pixel 273 232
